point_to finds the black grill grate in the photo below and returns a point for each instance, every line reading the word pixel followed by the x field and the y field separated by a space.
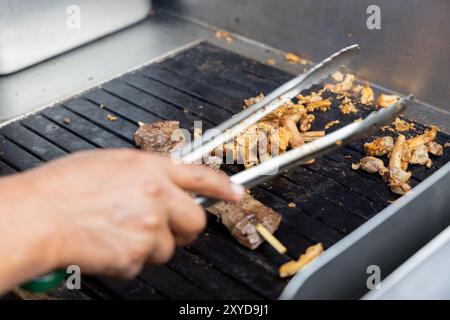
pixel 207 83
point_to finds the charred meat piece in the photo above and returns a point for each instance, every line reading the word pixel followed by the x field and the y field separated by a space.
pixel 240 219
pixel 379 146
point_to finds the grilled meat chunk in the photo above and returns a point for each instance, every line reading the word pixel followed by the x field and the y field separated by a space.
pixel 435 148
pixel 240 219
pixel 160 136
pixel 398 178
pixel 379 146
pixel 372 165
pixel 420 156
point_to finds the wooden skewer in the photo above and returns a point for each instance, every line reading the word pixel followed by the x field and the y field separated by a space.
pixel 270 238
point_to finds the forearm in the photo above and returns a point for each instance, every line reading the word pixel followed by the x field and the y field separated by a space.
pixel 25 235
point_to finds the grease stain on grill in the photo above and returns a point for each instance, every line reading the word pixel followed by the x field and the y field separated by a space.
pixel 210 84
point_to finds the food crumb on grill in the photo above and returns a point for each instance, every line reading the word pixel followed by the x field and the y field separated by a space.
pixel 447 145
pixel 224 35
pixel 271 62
pixel 101 106
pixel 292 205
pixel 331 123
pixel 140 123
pixel 356 166
pixel 347 106
pixel 294 58
pixel 292 267
pixel 111 117
pixel 66 121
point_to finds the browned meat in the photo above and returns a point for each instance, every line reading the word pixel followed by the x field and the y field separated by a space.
pixel 240 219
pixel 159 136
pixel 372 165
pixel 379 146
pixel 435 148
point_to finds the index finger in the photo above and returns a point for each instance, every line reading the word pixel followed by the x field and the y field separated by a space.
pixel 205 181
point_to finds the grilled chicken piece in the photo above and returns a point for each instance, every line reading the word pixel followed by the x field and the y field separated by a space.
pixel 424 138
pixel 420 156
pixel 398 177
pixel 296 138
pixel 366 95
pixel 379 146
pixel 385 100
pixel 247 146
pixel 372 165
pixel 240 219
pixel 435 148
pixel 412 144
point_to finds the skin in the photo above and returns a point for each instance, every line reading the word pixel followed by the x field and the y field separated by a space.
pixel 108 211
